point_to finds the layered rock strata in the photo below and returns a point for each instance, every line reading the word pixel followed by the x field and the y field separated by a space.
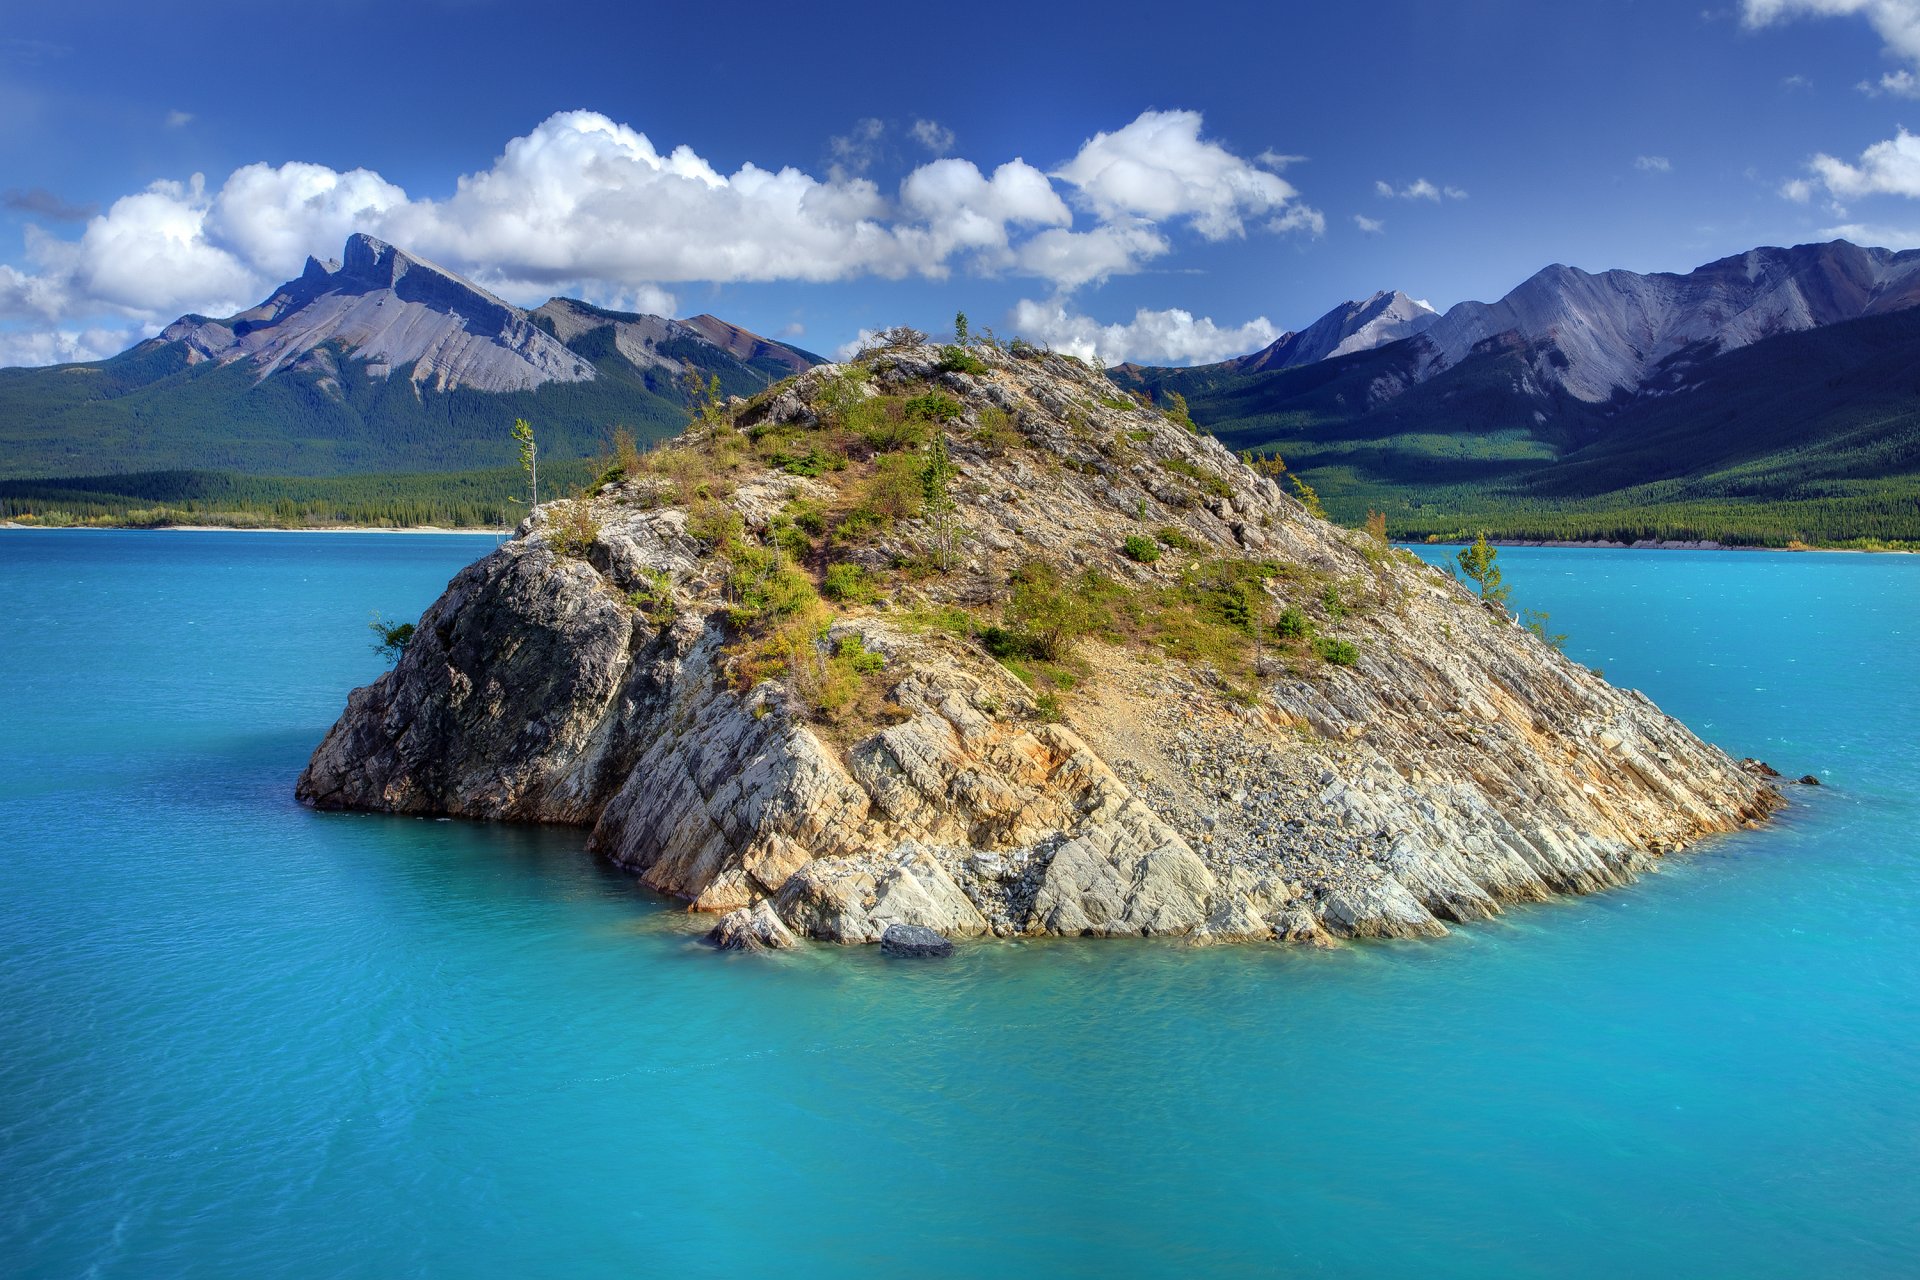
pixel 1445 763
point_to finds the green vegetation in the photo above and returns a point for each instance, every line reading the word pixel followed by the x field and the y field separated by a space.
pixel 447 499
pixel 1477 562
pixel 529 459
pixel 390 638
pixel 1141 548
pixel 848 583
pixel 1809 438
pixel 960 360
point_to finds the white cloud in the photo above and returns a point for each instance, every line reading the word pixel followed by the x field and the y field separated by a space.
pixel 1798 190
pixel 1277 160
pixel 1372 226
pixel 1152 337
pixel 1877 235
pixel 1897 22
pixel 860 341
pixel 857 150
pixel 1795 82
pixel 1418 189
pixel 177 119
pixel 1898 84
pixel 586 205
pixel 1158 168
pixel 62 346
pixel 1653 164
pixel 1885 168
pixel 1073 258
pixel 932 135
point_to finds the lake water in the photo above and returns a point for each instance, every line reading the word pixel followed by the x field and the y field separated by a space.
pixel 243 1039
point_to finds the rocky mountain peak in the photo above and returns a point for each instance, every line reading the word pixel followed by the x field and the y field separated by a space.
pixel 388 310
pixel 969 639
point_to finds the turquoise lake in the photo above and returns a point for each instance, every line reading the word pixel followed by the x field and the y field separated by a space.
pixel 238 1038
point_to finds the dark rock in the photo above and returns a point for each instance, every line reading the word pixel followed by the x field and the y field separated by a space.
pixel 1759 768
pixel 914 940
pixel 1809 781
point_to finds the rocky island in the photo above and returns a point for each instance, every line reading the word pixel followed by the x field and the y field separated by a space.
pixel 970 639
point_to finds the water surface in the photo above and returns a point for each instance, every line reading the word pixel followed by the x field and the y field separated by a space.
pixel 244 1039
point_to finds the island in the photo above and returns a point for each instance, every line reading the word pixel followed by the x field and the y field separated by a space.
pixel 967 637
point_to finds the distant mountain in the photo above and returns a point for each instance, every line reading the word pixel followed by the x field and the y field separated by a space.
pixel 1598 336
pixel 1350 327
pixel 380 362
pixel 1559 405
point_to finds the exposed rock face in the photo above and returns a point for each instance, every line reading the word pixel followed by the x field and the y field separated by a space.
pixel 390 310
pixel 914 941
pixel 1449 762
pixel 755 928
pixel 1598 334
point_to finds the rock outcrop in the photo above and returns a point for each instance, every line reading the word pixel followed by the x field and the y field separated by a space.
pixel 1272 727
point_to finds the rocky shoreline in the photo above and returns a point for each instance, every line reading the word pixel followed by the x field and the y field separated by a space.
pixel 1377 754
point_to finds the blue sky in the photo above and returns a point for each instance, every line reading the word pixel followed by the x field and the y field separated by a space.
pixel 1170 185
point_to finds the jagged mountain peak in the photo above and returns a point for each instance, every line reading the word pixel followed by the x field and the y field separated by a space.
pixel 389 310
pixel 1387 315
pixel 1599 335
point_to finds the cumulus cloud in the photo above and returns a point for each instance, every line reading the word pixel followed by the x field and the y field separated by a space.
pixel 62 346
pixel 1653 164
pixel 584 204
pixel 178 119
pixel 1160 169
pixel 1372 226
pixel 1885 168
pixel 1172 337
pixel 932 135
pixel 1896 84
pixel 1876 234
pixel 1896 22
pixel 1418 189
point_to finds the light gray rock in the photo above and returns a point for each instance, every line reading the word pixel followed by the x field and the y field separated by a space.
pixel 1459 765
pixel 755 928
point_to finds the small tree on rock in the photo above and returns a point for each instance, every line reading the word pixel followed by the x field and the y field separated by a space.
pixel 529 459
pixel 1477 562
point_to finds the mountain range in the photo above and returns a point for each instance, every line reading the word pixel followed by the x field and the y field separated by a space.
pixel 378 362
pixel 1767 396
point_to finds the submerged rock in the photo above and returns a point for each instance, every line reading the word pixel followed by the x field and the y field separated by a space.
pixel 1277 728
pixel 755 928
pixel 915 941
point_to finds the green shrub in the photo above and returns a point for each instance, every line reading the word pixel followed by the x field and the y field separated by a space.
pixel 848 583
pixel 573 531
pixel 1338 652
pixel 1177 538
pixel 1292 624
pixel 1047 611
pixel 811 463
pixel 859 659
pixel 959 360
pixel 390 638
pixel 1139 547
pixel 933 407
pixel 996 433
pixel 1047 707
pixel 654 597
pixel 1330 601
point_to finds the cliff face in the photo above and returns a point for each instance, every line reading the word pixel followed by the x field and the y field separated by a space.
pixel 1214 715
